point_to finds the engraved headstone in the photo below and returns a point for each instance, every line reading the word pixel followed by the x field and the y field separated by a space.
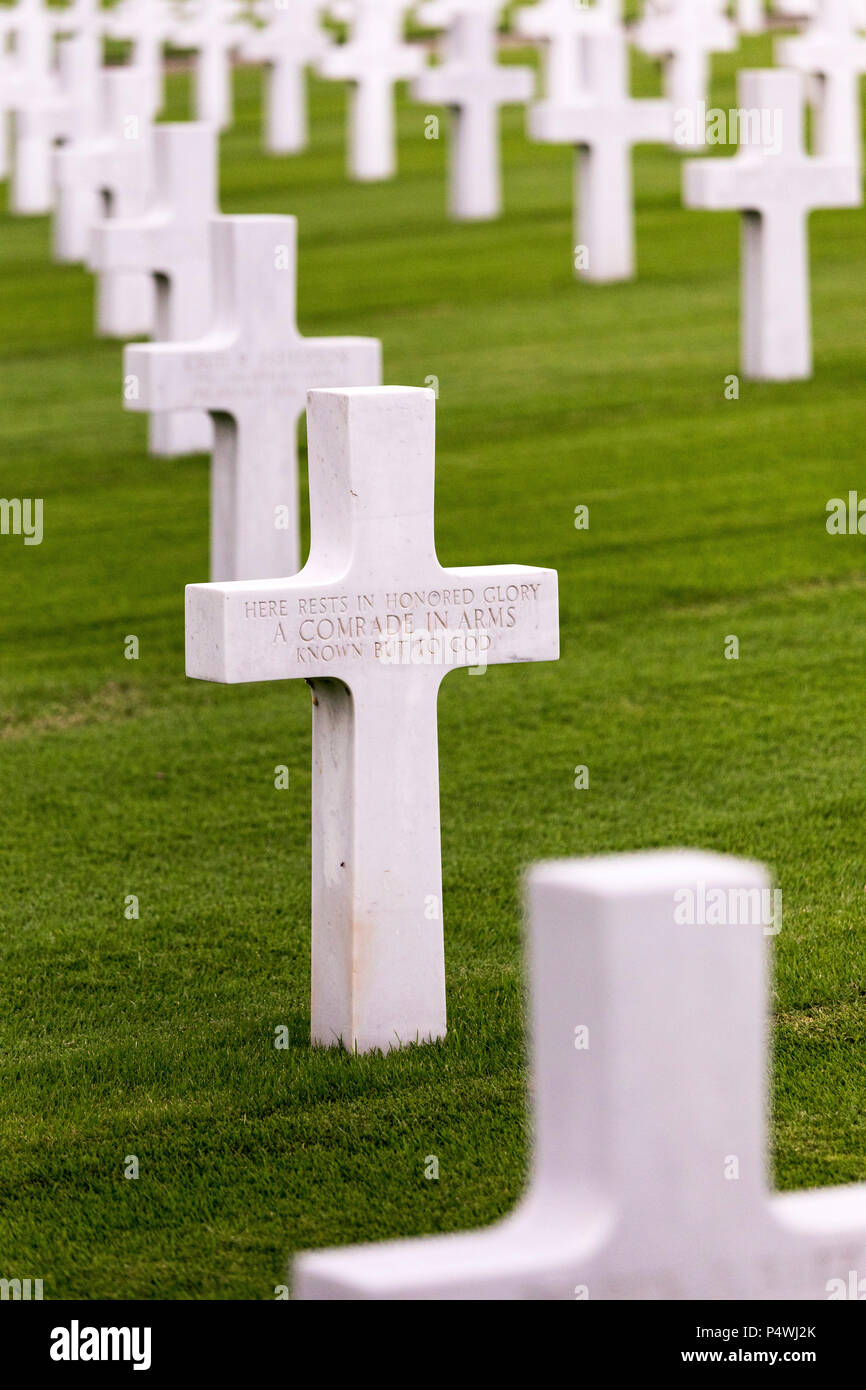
pixel 474 85
pixel 374 58
pixel 831 52
pixel 251 371
pixel 775 187
pixel 373 623
pixel 684 34
pixel 649 1170
pixel 292 41
pixel 603 125
pixel 110 172
pixel 171 242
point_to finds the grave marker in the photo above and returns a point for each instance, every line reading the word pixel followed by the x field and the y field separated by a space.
pixel 474 84
pixel 775 193
pixel 373 60
pixel 560 27
pixel 251 372
pixel 110 171
pixel 171 243
pixel 684 34
pixel 29 82
pixel 372 623
pixel 603 125
pixel 147 25
pixel 211 28
pixel 67 110
pixel 32 25
pixel 831 52
pixel 292 41
pixel 649 1173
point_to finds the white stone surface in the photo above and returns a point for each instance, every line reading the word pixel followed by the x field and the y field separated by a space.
pixel 560 27
pixel 171 243
pixel 362 624
pixel 29 85
pixel 751 17
pixel 474 85
pixel 684 34
pixel 214 30
pixel 111 171
pixel 31 26
pixel 775 193
pixel 793 9
pixel 252 372
pixel 292 41
pixel 64 110
pixel 800 11
pixel 649 1171
pixel 147 25
pixel 831 52
pixel 373 60
pixel 603 125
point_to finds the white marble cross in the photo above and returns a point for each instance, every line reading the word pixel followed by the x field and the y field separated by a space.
pixel 561 26
pixel 213 29
pixel 171 242
pixel 28 84
pixel 831 52
pixel 147 25
pixel 67 110
pixel 33 26
pixel 110 173
pixel 373 623
pixel 775 192
pixel 649 1170
pixel 251 372
pixel 684 34
pixel 292 41
pixel 373 60
pixel 474 84
pixel 603 125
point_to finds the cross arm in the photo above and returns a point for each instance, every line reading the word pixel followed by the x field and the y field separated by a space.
pixel 513 608
pixel 236 633
pixel 264 630
pixel 91 160
pixel 659 40
pixel 334 361
pixel 589 123
pixel 812 54
pixel 124 243
pixel 446 86
pixel 351 62
pixel 546 25
pixel 166 373
pixel 754 184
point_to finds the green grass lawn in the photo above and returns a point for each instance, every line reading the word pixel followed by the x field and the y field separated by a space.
pixel 707 518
